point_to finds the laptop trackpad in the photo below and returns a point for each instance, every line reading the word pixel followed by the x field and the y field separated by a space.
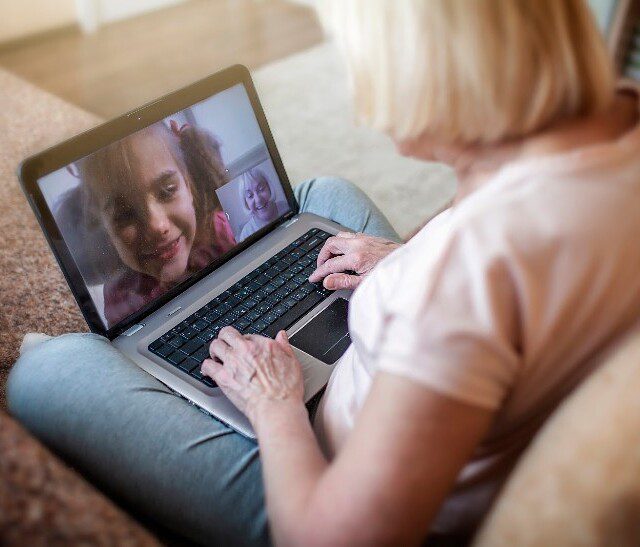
pixel 326 336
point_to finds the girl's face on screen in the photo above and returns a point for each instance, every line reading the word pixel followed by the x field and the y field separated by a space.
pixel 151 219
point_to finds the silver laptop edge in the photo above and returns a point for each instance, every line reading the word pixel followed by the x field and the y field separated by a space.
pixel 134 342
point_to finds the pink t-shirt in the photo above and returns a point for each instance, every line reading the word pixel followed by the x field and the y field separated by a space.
pixel 506 301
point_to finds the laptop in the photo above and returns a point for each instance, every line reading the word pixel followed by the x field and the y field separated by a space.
pixel 177 219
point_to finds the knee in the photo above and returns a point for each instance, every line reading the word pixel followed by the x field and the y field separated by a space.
pixel 45 367
pixel 331 188
pixel 329 195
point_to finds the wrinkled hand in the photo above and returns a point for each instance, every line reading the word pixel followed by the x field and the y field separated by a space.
pixel 346 252
pixel 252 369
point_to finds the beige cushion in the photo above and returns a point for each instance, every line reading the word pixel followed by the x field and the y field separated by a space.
pixel 579 482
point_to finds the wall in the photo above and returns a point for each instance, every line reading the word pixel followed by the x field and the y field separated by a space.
pixel 20 18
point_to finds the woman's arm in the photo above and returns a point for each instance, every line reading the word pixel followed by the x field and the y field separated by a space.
pixel 390 478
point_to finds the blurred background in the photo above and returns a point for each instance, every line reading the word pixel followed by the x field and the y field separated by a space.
pixel 109 56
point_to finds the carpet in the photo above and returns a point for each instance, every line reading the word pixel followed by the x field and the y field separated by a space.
pixel 307 105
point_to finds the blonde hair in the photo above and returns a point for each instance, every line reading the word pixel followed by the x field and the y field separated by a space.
pixel 255 174
pixel 470 71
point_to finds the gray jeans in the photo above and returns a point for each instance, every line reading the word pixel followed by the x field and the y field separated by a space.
pixel 141 443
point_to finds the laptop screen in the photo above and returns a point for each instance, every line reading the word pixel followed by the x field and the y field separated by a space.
pixel 151 210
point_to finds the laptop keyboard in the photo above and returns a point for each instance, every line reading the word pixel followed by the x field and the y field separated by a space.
pixel 269 299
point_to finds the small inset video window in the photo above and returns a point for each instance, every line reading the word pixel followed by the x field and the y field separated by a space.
pixel 253 199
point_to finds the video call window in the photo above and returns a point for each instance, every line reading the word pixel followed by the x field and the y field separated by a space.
pixel 145 213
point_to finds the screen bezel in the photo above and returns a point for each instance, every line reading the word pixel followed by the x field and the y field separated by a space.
pixel 57 157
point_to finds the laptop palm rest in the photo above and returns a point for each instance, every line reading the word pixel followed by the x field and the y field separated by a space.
pixel 326 336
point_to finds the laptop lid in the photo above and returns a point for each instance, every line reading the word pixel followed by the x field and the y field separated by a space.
pixel 142 207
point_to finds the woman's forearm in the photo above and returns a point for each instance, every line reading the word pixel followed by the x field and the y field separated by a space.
pixel 292 467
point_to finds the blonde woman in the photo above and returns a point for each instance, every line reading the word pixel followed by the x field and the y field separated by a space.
pixel 259 201
pixel 464 339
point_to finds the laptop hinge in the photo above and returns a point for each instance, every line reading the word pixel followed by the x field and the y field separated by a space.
pixel 132 330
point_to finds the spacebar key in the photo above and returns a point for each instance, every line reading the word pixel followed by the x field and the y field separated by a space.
pixel 293 314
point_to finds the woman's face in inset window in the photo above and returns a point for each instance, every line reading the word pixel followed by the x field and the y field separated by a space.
pixel 150 218
pixel 258 198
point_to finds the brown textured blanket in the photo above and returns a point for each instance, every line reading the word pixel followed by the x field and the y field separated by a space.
pixel 34 297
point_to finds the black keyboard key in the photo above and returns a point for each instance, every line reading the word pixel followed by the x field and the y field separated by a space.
pixel 289 302
pixel 253 316
pixel 204 379
pixel 212 316
pixel 207 335
pixel 225 321
pixel 242 324
pixel 250 303
pixel 176 357
pixel 200 325
pixel 311 243
pixel 269 288
pixel 233 300
pixel 307 288
pixel 188 333
pixel 253 287
pixel 299 279
pixel 176 341
pixel 223 308
pixel 262 279
pixel 264 308
pixel 298 295
pixel 269 318
pixel 192 346
pixel 201 354
pixel 154 346
pixel 189 364
pixel 165 350
pixel 295 313
pixel 259 326
pixel 279 310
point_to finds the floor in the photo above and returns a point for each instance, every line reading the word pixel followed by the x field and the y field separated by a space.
pixel 127 63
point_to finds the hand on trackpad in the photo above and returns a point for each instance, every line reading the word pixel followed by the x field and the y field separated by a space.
pixel 326 336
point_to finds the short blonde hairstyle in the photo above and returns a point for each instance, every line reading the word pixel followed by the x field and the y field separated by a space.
pixel 470 71
pixel 255 174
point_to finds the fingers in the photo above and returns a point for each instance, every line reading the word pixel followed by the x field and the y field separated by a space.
pixel 231 336
pixel 337 245
pixel 210 368
pixel 333 265
pixel 283 339
pixel 219 349
pixel 336 281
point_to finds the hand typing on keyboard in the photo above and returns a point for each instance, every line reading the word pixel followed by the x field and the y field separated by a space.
pixel 347 257
pixel 254 370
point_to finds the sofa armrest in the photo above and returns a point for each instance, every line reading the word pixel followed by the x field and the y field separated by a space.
pixel 579 481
